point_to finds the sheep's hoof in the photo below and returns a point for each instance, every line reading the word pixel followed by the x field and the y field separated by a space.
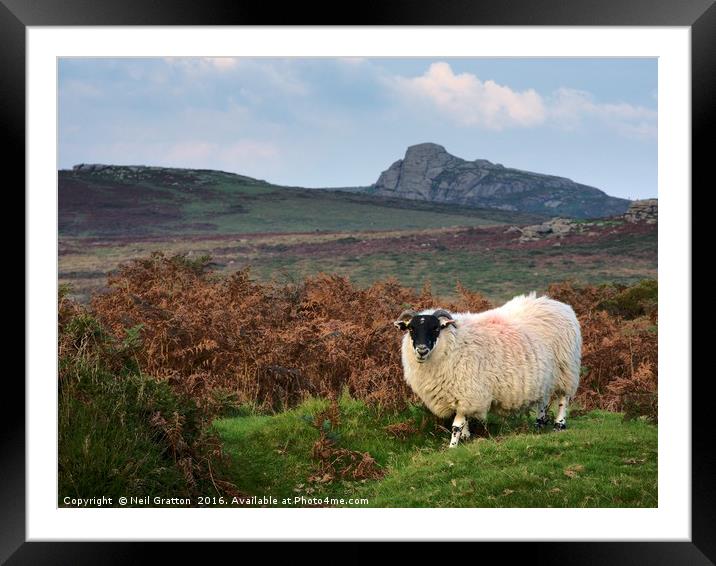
pixel 560 426
pixel 539 424
pixel 456 430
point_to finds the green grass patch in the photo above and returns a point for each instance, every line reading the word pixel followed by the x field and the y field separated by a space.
pixel 498 274
pixel 106 444
pixel 600 461
pixel 120 432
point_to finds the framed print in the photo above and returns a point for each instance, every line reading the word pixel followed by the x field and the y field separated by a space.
pixel 262 261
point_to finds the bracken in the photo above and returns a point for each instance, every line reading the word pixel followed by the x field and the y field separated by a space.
pixel 272 345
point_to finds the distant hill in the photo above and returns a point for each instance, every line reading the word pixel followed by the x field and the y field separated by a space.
pixel 124 202
pixel 429 173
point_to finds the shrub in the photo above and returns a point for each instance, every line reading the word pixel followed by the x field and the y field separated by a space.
pixel 635 301
pixel 619 356
pixel 230 342
pixel 271 344
pixel 122 432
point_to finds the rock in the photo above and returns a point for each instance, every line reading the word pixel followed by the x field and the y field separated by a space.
pixel 561 225
pixel 428 172
pixel 643 211
pixel 90 167
pixel 415 175
pixel 513 229
pixel 555 228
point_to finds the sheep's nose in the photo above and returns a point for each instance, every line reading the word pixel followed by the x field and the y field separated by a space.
pixel 422 350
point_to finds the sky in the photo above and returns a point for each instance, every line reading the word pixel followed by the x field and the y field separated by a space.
pixel 340 122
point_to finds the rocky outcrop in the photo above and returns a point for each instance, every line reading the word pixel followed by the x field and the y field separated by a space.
pixel 168 176
pixel 101 167
pixel 643 211
pixel 555 228
pixel 90 167
pixel 428 172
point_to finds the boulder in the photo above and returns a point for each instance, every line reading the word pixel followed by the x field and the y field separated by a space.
pixel 555 228
pixel 646 210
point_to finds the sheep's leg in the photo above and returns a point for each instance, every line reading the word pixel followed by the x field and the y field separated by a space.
pixel 541 415
pixel 458 426
pixel 465 434
pixel 561 422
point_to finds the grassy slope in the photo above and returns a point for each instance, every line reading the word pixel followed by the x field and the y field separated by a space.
pixel 497 273
pixel 210 202
pixel 180 211
pixel 600 461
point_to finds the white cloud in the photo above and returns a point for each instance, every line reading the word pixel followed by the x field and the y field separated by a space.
pixel 195 66
pixel 246 156
pixel 277 74
pixel 569 108
pixel 354 61
pixel 468 101
pixel 189 152
pixel 245 150
pixel 74 88
pixel 222 63
pixel 241 155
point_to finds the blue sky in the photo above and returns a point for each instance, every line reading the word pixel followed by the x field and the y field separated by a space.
pixel 330 122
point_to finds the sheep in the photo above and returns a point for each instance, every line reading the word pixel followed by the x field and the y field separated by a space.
pixel 506 359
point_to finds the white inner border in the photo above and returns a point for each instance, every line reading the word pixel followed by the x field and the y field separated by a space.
pixel 670 521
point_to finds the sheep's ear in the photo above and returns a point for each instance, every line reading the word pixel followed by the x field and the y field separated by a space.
pixel 444 317
pixel 404 319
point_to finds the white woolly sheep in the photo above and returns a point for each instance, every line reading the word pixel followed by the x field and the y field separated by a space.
pixel 505 359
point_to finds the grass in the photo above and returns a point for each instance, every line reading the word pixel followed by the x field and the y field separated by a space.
pixel 106 445
pixel 303 211
pixel 109 442
pixel 258 224
pixel 600 461
pixel 209 202
pixel 498 274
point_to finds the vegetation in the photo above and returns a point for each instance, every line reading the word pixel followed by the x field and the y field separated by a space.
pixel 184 202
pixel 121 214
pixel 600 461
pixel 498 273
pixel 171 347
pixel 274 344
pixel 120 431
pixel 488 258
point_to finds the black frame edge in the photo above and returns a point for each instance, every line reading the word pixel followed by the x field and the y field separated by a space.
pixel 700 14
pixel 703 458
pixel 12 433
pixel 372 12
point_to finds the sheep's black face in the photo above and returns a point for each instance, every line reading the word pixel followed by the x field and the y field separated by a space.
pixel 424 333
pixel 424 330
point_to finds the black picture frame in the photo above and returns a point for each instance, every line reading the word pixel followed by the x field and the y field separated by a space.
pixel 699 15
